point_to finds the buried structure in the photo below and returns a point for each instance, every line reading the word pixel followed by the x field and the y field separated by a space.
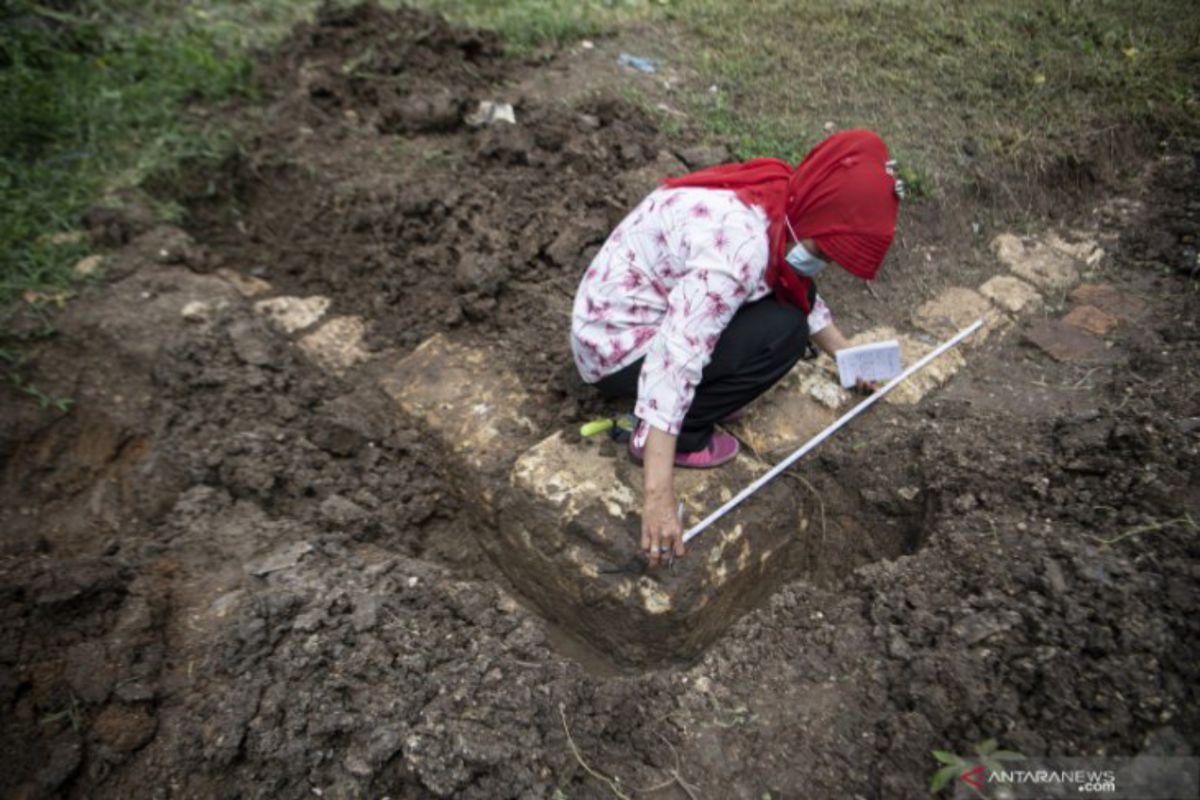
pixel 564 516
pixel 557 519
pixel 319 521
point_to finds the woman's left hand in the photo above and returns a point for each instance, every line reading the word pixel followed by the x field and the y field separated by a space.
pixel 866 387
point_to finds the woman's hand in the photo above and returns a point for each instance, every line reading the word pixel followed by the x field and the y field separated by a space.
pixel 864 386
pixel 662 530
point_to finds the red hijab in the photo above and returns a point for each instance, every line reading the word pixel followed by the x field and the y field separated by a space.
pixel 841 196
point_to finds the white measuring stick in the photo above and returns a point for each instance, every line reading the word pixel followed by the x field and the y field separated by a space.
pixel 832 429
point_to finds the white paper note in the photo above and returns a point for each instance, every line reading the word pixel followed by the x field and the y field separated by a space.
pixel 877 361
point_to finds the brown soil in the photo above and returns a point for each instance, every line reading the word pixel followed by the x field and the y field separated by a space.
pixel 227 573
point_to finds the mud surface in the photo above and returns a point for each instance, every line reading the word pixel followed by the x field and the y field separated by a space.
pixel 227 573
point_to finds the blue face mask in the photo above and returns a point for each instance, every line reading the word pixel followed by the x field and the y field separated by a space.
pixel 804 262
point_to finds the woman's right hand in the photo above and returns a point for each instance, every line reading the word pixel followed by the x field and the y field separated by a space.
pixel 662 530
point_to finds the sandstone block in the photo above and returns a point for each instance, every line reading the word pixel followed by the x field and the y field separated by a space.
pixel 573 509
pixel 1064 342
pixel 1037 262
pixel 337 345
pixel 472 404
pixel 1012 294
pixel 1110 299
pixel 954 309
pixel 786 416
pixel 291 314
pixel 1092 320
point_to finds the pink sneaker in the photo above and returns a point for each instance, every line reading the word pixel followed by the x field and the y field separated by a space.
pixel 722 448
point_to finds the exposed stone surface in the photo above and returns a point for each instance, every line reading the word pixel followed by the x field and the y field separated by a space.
pixel 1037 262
pixel 1092 320
pixel 786 416
pixel 338 344
pixel 825 391
pixel 1064 342
pixel 463 396
pixel 1106 298
pixel 1084 250
pixel 246 285
pixel 292 314
pixel 1012 294
pixel 954 309
pixel 573 508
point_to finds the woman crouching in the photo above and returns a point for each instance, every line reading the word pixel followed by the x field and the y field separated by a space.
pixel 703 297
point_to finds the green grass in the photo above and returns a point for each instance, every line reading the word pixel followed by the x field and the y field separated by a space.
pixel 528 24
pixel 963 90
pixel 91 107
pixel 955 87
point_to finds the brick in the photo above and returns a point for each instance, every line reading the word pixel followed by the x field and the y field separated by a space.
pixel 1110 299
pixel 1035 261
pixel 1012 294
pixel 954 309
pixel 472 404
pixel 1092 320
pixel 337 345
pixel 291 314
pixel 1064 342
pixel 572 508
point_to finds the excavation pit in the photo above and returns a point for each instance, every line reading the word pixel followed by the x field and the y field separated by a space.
pixel 560 515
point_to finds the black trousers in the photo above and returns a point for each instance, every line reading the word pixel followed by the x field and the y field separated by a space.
pixel 761 343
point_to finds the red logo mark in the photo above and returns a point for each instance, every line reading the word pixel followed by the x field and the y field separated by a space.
pixel 974 776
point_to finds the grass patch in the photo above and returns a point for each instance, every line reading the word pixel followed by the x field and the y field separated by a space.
pixel 528 24
pixel 91 107
pixel 956 88
pixel 963 92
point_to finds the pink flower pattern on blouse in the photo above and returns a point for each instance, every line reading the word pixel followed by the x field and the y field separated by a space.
pixel 664 286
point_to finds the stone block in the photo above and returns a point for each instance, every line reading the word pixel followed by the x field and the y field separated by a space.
pixel 954 309
pixel 1037 262
pixel 1012 294
pixel 1109 299
pixel 786 416
pixel 471 403
pixel 1085 250
pixel 1092 320
pixel 1064 342
pixel 825 390
pixel 337 345
pixel 291 314
pixel 573 508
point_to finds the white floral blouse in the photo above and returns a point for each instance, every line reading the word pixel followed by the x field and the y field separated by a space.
pixel 664 286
